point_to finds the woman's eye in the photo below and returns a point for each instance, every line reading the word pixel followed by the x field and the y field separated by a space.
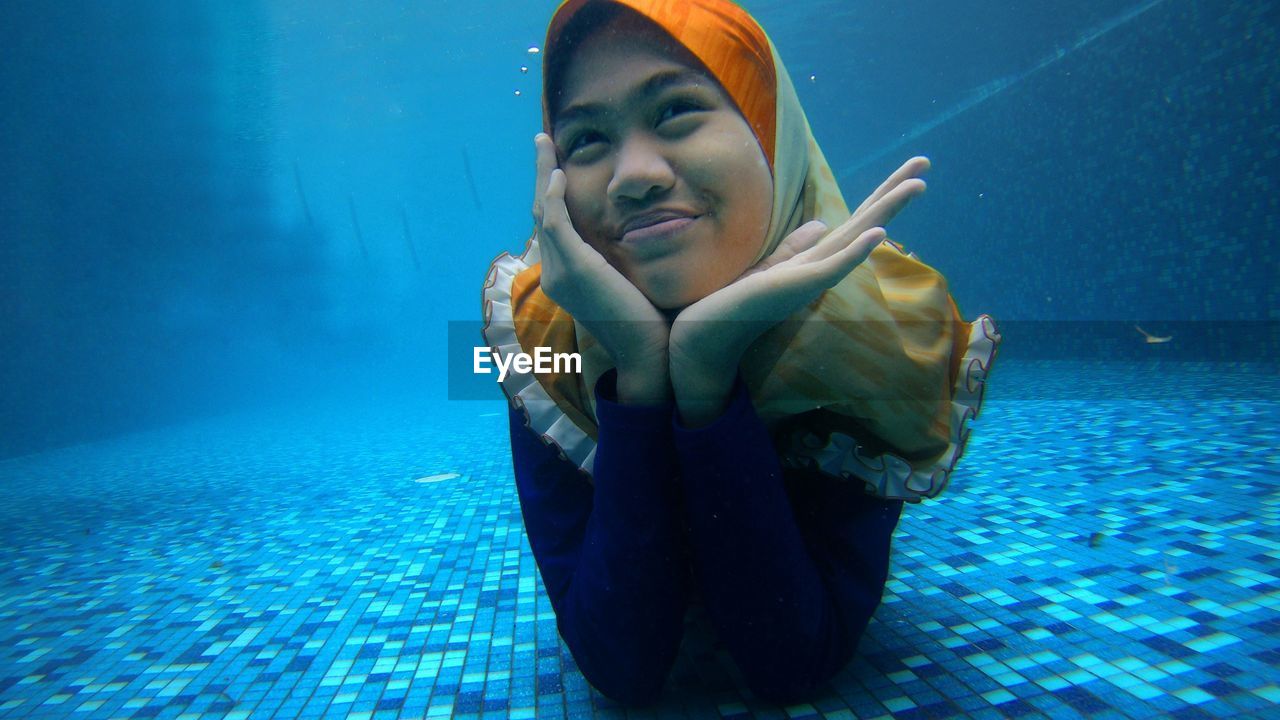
pixel 677 108
pixel 583 140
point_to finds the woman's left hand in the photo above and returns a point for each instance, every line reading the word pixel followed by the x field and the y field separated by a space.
pixel 709 337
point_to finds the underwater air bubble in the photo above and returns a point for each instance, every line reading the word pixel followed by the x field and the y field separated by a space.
pixel 524 68
pixel 517 93
pixel 533 50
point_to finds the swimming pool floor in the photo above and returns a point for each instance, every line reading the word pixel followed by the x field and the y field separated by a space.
pixel 1093 558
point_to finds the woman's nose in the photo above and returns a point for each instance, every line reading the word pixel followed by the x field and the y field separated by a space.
pixel 640 170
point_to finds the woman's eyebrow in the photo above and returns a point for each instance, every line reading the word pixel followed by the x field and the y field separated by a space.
pixel 665 79
pixel 656 83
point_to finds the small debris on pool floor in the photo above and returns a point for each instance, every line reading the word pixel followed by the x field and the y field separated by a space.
pixel 438 478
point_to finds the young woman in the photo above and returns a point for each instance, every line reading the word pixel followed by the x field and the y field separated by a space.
pixel 765 377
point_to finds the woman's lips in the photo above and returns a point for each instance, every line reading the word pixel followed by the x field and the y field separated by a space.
pixel 658 230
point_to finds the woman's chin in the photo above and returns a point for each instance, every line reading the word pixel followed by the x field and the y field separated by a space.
pixel 670 300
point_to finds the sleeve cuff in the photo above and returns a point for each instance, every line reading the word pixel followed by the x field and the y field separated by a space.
pixel 639 417
pixel 739 413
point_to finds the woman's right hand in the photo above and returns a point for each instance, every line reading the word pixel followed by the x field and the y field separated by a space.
pixel 632 331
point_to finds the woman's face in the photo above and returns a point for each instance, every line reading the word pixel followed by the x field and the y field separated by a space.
pixel 665 177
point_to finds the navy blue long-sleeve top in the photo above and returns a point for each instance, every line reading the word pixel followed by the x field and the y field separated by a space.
pixel 790 566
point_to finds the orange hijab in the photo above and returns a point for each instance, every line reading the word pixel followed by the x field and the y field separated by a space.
pixel 875 380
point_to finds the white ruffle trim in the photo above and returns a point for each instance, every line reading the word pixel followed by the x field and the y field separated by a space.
pixel 522 389
pixel 887 476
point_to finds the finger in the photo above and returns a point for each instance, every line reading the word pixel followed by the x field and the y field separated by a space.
pixel 880 212
pixel 557 228
pixel 552 212
pixel 913 168
pixel 545 162
pixel 800 240
pixel 804 237
pixel 791 287
pixel 840 239
pixel 886 208
pixel 840 263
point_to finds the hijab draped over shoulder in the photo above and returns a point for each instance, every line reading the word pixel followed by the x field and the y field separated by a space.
pixel 874 380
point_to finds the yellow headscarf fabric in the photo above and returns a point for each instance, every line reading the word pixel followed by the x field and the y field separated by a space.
pixel 874 380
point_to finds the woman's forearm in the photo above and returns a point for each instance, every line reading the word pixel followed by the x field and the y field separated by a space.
pixel 761 586
pixel 622 612
pixel 790 608
pixel 611 557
